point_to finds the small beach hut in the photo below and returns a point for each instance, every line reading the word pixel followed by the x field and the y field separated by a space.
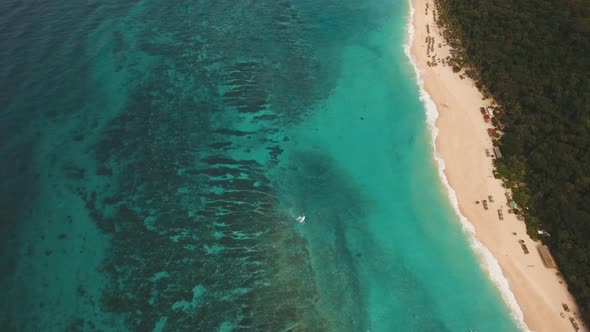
pixel 546 256
pixel 541 230
pixel 497 152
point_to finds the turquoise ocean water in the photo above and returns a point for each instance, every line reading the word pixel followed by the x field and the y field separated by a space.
pixel 155 155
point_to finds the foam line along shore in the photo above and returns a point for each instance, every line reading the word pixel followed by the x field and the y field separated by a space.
pixel 535 293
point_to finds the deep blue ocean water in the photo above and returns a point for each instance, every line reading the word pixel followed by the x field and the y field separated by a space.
pixel 155 155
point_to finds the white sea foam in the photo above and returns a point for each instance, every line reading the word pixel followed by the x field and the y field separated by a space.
pixel 487 260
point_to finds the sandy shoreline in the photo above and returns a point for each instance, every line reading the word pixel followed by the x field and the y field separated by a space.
pixel 462 142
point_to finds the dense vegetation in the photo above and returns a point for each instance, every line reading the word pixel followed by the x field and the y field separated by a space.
pixel 533 58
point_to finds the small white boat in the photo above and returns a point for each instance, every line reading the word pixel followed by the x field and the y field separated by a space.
pixel 301 219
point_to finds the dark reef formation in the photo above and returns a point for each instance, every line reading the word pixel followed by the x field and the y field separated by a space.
pixel 198 237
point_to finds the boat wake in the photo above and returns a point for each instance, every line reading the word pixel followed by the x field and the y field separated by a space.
pixel 300 219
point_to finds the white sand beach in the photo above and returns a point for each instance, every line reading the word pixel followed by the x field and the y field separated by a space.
pixel 462 142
